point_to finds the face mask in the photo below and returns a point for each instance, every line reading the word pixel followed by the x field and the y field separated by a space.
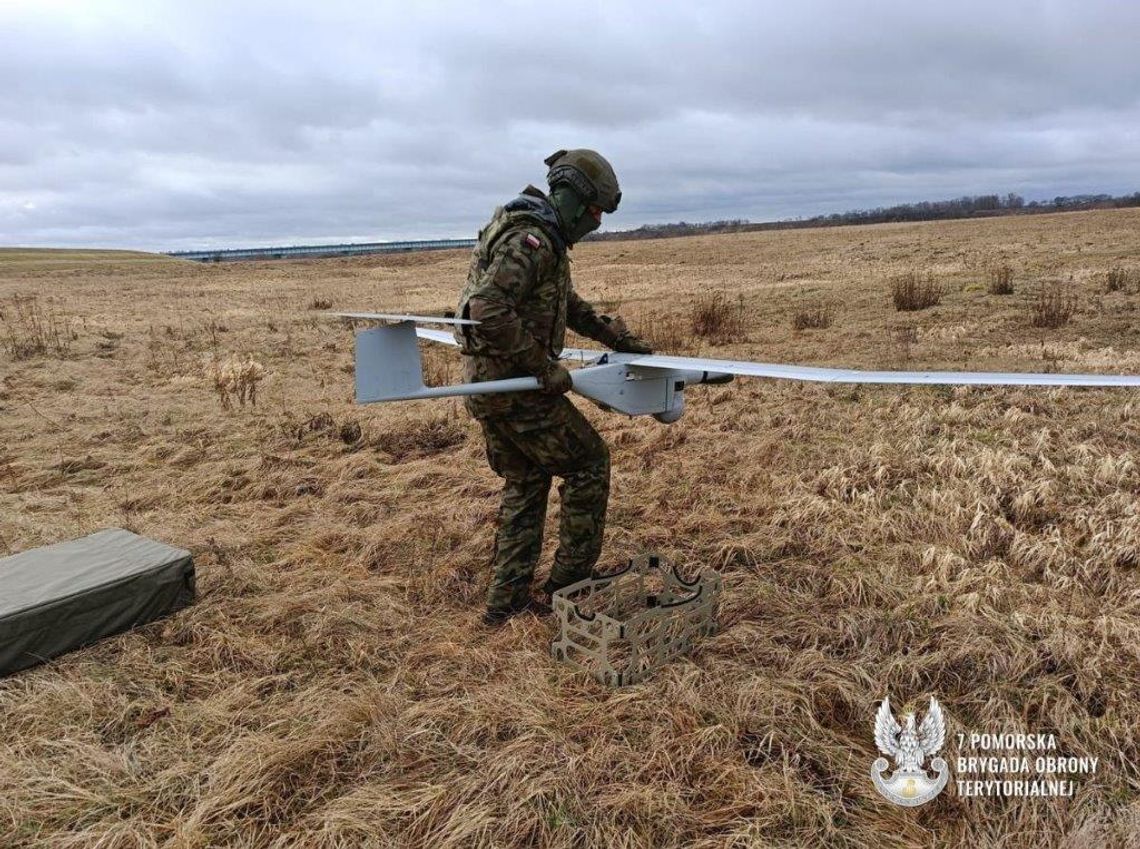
pixel 586 224
pixel 573 213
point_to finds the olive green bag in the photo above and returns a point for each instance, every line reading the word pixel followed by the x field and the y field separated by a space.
pixel 60 597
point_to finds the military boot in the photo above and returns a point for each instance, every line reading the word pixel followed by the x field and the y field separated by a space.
pixel 495 616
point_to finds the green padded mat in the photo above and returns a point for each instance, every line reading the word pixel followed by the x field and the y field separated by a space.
pixel 60 597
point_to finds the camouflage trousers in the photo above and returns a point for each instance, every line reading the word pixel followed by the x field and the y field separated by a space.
pixel 527 454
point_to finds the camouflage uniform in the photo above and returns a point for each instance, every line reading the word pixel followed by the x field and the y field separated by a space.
pixel 519 289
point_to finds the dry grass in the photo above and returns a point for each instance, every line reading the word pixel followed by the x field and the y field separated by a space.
pixel 31 329
pixel 1053 305
pixel 665 331
pixel 902 338
pixel 235 379
pixel 717 317
pixel 999 279
pixel 332 687
pixel 812 318
pixel 1119 279
pixel 914 290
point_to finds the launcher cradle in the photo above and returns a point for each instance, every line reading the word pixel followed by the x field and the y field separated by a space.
pixel 623 626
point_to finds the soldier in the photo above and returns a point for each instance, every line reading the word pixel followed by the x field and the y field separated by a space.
pixel 519 290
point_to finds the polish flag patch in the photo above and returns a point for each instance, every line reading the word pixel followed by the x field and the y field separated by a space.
pixel 532 240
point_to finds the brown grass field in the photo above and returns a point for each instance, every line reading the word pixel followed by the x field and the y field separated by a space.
pixel 333 687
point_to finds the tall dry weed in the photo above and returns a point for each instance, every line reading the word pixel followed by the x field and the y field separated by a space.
pixel 235 379
pixel 717 317
pixel 34 329
pixel 1118 279
pixel 668 332
pixel 1053 305
pixel 999 279
pixel 901 338
pixel 440 365
pixel 915 290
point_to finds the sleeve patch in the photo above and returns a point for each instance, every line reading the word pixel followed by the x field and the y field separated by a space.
pixel 533 240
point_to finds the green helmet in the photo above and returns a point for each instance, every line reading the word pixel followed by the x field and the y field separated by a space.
pixel 588 173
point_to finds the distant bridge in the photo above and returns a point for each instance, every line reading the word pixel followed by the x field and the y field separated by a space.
pixel 322 250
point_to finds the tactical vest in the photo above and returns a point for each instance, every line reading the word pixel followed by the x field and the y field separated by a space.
pixel 543 311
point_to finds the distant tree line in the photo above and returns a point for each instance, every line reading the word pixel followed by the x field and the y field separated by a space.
pixel 967 206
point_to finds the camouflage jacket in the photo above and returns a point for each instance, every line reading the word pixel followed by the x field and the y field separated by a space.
pixel 519 290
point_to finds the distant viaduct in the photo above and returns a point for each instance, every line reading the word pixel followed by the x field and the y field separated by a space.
pixel 322 250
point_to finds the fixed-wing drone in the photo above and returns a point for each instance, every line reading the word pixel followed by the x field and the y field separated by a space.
pixel 388 368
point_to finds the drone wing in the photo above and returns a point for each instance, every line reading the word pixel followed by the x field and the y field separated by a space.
pixel 839 375
pixel 887 729
pixel 442 336
pixel 388 316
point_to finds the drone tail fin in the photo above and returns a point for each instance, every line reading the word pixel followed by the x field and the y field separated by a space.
pixel 388 364
pixel 389 368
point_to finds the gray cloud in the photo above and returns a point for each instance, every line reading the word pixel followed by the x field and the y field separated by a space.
pixel 167 125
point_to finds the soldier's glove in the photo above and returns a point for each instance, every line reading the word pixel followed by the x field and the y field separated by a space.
pixel 556 379
pixel 621 339
pixel 630 344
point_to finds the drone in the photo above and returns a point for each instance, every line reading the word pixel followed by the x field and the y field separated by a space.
pixel 389 368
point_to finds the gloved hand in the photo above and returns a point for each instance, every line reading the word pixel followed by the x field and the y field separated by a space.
pixel 621 339
pixel 556 379
pixel 630 344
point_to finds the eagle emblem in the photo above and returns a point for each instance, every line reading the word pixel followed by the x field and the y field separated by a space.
pixel 910 746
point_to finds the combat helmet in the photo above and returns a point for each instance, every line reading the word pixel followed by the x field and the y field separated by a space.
pixel 588 173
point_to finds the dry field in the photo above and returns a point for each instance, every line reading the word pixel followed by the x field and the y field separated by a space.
pixel 333 687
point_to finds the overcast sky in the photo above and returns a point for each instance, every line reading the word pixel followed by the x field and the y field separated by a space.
pixel 170 125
